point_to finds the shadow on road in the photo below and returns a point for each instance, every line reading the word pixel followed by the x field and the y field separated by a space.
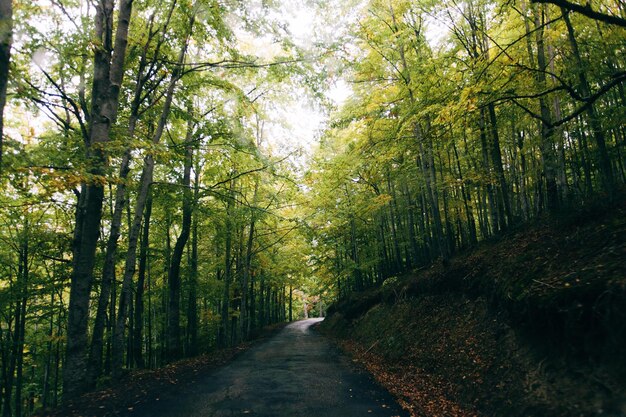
pixel 295 373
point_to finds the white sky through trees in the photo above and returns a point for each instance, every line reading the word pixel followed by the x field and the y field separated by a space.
pixel 295 119
pixel 297 123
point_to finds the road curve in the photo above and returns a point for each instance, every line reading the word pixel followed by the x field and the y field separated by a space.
pixel 297 373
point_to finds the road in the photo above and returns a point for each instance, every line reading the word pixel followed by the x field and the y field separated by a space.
pixel 295 373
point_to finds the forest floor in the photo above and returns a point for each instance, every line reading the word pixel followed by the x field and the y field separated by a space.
pixel 533 324
pixel 146 386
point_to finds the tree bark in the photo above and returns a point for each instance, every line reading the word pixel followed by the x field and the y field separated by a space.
pixel 223 338
pixel 547 130
pixel 247 269
pixel 604 162
pixel 430 181
pixel 173 276
pixel 107 79
pixel 135 227
pixel 491 199
pixel 496 159
pixel 6 40
pixel 108 272
pixel 21 329
pixel 141 279
pixel 192 307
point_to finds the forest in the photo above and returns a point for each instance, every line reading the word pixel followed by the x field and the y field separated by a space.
pixel 157 201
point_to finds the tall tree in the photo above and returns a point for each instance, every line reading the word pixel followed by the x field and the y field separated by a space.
pixel 174 348
pixel 6 39
pixel 146 67
pixel 108 73
pixel 140 203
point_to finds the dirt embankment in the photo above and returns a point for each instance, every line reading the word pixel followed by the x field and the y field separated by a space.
pixel 531 325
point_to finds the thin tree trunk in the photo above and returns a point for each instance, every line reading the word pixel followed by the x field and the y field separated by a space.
pixel 585 158
pixel 491 199
pixel 290 303
pixel 145 182
pixel 428 170
pixel 192 308
pixel 449 237
pixel 108 277
pixel 467 199
pixel 49 350
pixel 262 290
pixel 139 294
pixel 547 130
pixel 173 276
pixel 6 40
pixel 411 225
pixel 604 162
pixel 21 329
pixel 246 275
pixel 9 358
pixel 224 326
pixel 149 346
pixel 496 159
pixel 252 319
pixel 394 226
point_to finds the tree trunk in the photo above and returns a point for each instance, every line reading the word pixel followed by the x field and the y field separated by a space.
pixel 467 199
pixel 49 350
pixel 135 227
pixel 262 290
pixel 224 326
pixel 107 80
pixel 290 303
pixel 496 159
pixel 108 273
pixel 246 278
pixel 248 267
pixel 173 276
pixel 547 130
pixel 9 362
pixel 604 162
pixel 108 277
pixel 192 308
pixel 20 329
pixel 491 199
pixel 410 226
pixel 394 226
pixel 6 40
pixel 430 181
pixel 141 279
pixel 252 324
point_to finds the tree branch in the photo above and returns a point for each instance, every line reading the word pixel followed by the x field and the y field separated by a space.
pixel 586 10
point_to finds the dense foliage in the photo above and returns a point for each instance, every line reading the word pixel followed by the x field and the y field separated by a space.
pixel 145 211
pixel 467 119
pixel 149 213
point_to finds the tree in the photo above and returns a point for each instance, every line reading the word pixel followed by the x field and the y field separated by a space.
pixel 586 10
pixel 108 73
pixel 497 122
pixel 6 39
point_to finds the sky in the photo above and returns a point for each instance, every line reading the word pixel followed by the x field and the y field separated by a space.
pixel 296 124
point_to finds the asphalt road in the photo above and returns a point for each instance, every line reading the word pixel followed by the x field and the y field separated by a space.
pixel 295 373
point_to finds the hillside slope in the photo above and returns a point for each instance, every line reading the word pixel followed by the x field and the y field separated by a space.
pixel 531 325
